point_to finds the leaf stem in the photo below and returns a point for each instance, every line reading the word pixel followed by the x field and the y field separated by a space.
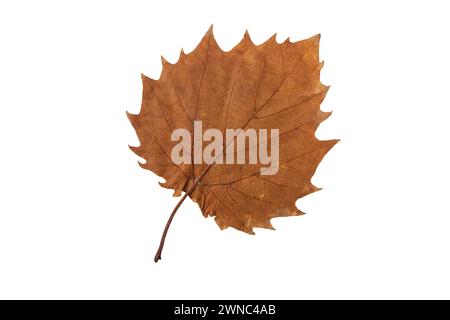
pixel 169 221
pixel 163 238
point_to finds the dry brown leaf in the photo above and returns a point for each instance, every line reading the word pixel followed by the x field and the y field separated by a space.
pixel 270 85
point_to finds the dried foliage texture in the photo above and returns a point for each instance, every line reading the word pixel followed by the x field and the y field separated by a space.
pixel 264 86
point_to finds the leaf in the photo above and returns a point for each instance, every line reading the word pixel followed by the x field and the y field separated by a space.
pixel 266 86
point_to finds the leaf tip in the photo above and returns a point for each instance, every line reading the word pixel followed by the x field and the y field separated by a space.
pixel 315 40
pixel 133 118
pixel 142 164
pixel 269 225
pixel 144 78
pixel 182 53
pixel 271 40
pixel 164 61
pixel 210 39
pixel 210 32
pixel 133 148
pixel 320 66
pixel 246 38
pixel 324 115
pixel 316 189
pixel 331 143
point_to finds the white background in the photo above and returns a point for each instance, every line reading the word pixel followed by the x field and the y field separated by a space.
pixel 80 219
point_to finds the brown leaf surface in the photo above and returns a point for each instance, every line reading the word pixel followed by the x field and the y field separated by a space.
pixel 270 85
